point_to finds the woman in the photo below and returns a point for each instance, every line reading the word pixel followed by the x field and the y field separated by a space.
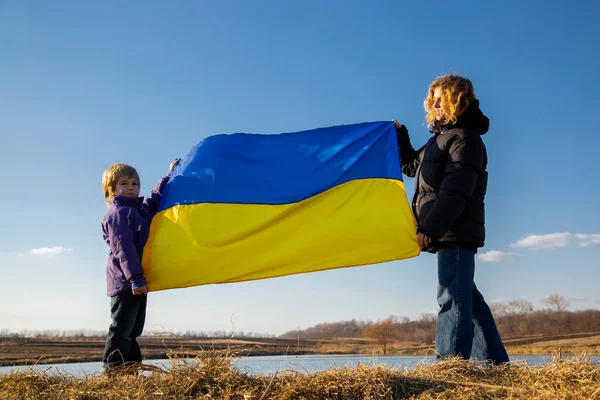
pixel 448 204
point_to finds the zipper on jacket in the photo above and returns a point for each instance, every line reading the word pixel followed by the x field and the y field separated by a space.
pixel 417 179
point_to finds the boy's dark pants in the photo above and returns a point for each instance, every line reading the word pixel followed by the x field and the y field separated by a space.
pixel 128 313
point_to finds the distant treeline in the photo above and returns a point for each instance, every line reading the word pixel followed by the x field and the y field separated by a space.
pixel 515 318
pixel 87 333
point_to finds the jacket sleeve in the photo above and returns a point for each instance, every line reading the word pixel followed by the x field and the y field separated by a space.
pixel 409 157
pixel 122 245
pixel 151 203
pixel 465 159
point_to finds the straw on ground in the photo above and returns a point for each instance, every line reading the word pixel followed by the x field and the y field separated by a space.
pixel 214 376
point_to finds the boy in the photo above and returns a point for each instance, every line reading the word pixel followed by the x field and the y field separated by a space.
pixel 125 229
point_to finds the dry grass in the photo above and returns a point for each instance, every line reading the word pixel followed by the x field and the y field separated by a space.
pixel 332 348
pixel 212 376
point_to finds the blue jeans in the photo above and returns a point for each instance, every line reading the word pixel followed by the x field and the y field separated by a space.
pixel 465 325
pixel 128 313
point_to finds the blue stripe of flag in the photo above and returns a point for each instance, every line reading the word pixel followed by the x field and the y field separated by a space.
pixel 283 168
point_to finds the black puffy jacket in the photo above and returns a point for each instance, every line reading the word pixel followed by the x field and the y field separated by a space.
pixel 451 181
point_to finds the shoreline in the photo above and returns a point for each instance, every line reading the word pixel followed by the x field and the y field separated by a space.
pixel 48 360
pixel 43 351
pixel 216 377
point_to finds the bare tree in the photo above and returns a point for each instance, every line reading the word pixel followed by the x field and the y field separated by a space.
pixel 352 328
pixel 382 331
pixel 399 320
pixel 556 303
pixel 520 307
pixel 499 309
pixel 427 317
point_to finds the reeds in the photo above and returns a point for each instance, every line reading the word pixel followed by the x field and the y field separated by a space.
pixel 212 375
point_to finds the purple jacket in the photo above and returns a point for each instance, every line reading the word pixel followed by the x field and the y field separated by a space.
pixel 125 228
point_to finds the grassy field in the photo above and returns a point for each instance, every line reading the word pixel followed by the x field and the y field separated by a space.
pixel 60 350
pixel 211 376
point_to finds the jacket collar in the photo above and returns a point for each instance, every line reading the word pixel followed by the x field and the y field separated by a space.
pixel 127 201
pixel 472 119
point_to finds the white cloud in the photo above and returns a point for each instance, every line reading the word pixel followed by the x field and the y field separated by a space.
pixel 556 240
pixel 549 241
pixel 49 251
pixel 587 240
pixel 496 256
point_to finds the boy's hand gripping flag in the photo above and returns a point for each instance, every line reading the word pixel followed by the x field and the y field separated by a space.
pixel 243 206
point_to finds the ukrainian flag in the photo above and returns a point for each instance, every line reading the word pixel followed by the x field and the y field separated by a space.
pixel 243 206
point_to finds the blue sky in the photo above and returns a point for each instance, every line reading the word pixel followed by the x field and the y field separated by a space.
pixel 84 85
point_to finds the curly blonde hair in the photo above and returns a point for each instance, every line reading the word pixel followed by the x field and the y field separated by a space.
pixel 457 94
pixel 111 176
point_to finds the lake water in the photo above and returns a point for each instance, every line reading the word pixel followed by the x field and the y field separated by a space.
pixel 268 365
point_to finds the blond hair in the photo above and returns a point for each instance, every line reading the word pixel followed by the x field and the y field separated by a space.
pixel 457 94
pixel 111 176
